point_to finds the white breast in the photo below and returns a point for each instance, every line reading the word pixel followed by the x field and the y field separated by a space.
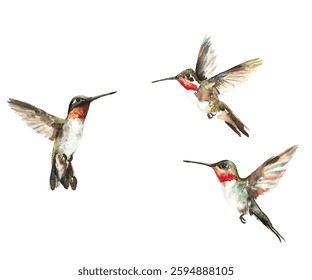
pixel 235 197
pixel 72 133
pixel 203 106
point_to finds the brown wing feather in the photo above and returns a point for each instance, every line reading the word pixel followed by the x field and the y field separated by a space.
pixel 39 120
pixel 205 60
pixel 267 175
pixel 235 75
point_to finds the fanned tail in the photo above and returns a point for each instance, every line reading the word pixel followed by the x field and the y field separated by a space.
pixel 227 115
pixel 255 210
pixel 62 171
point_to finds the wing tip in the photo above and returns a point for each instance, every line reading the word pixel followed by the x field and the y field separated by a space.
pixel 207 38
pixel 16 102
pixel 253 63
pixel 292 149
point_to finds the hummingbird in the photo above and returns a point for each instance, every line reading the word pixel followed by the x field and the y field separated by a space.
pixel 241 193
pixel 66 134
pixel 203 89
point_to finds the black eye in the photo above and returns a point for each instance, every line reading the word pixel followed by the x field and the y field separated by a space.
pixel 223 165
pixel 78 100
pixel 189 77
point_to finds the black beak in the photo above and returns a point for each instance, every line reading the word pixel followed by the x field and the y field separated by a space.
pixel 166 79
pixel 197 162
pixel 99 96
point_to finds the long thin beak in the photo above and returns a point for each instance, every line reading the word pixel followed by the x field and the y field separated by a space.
pixel 166 79
pixel 101 95
pixel 207 164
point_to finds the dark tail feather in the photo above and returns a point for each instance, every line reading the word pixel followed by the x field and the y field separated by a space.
pixel 54 178
pixel 255 210
pixel 235 130
pixel 232 121
pixel 66 170
pixel 68 178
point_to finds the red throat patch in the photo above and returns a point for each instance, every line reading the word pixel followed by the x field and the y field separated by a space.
pixel 225 177
pixel 187 85
pixel 79 112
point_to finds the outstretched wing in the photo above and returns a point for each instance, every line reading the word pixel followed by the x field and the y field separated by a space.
pixel 39 120
pixel 267 175
pixel 235 75
pixel 205 61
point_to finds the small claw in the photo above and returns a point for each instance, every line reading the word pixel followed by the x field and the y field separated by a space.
pixel 70 158
pixel 210 115
pixel 242 219
pixel 65 158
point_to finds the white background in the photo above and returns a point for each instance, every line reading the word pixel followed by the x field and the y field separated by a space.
pixel 137 203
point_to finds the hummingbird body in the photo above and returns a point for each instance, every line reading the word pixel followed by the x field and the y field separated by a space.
pixel 241 193
pixel 71 137
pixel 235 195
pixel 233 190
pixel 204 89
pixel 72 131
pixel 63 151
pixel 66 134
